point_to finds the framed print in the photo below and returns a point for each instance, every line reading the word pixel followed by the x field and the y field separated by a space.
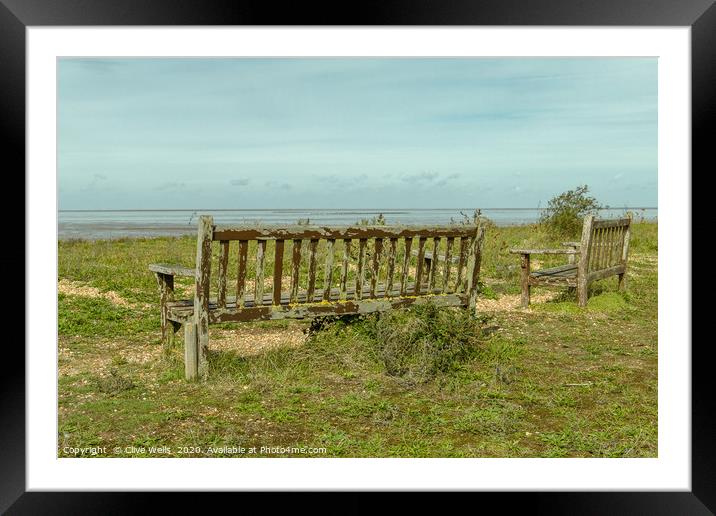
pixel 415 253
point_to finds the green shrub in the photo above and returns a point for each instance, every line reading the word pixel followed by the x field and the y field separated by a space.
pixel 565 212
pixel 378 220
pixel 424 340
pixel 114 383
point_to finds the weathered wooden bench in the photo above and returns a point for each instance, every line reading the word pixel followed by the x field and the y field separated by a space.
pixel 602 252
pixel 370 277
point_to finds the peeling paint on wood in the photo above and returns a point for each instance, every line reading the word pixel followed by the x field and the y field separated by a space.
pixel 241 272
pixel 259 284
pixel 223 264
pixel 375 265
pixel 312 248
pixel 277 272
pixel 295 269
pixel 339 232
pixel 201 296
pixel 328 271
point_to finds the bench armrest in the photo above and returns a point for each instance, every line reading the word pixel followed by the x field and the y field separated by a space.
pixel 171 270
pixel 544 251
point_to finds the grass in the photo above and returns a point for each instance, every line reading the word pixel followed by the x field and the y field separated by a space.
pixel 552 381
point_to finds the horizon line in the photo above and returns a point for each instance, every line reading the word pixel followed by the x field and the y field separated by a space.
pixel 385 210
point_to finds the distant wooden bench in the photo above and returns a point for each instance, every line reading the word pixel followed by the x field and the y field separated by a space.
pixel 603 252
pixel 371 277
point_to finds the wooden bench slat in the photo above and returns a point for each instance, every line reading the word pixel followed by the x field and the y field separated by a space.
pixel 433 263
pixel 562 270
pixel 172 270
pixel 461 264
pixel 419 264
pixel 277 271
pixel 406 267
pixel 447 263
pixel 330 309
pixel 392 247
pixel 473 283
pixel 180 308
pixel 360 272
pixel 295 269
pixel 223 264
pixel 610 223
pixel 543 251
pixel 375 265
pixel 241 272
pixel 344 266
pixel 312 248
pixel 295 232
pixel 260 254
pixel 328 272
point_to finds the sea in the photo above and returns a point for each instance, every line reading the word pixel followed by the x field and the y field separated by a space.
pixel 114 224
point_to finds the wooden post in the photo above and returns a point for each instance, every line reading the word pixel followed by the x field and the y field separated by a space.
pixel 583 267
pixel 525 280
pixel 201 295
pixel 625 255
pixel 191 359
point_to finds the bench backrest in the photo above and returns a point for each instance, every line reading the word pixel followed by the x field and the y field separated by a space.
pixel 278 265
pixel 605 243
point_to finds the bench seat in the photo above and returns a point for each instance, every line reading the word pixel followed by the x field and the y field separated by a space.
pixel 561 275
pixel 183 310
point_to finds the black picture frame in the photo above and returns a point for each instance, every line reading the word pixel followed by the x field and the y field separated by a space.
pixel 16 15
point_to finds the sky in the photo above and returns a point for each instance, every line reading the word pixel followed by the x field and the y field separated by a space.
pixel 158 133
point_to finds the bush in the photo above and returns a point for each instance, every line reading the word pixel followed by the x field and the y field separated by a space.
pixel 379 220
pixel 424 340
pixel 566 211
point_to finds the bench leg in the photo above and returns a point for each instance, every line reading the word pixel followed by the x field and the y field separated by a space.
pixel 171 334
pixel 166 294
pixel 622 282
pixel 525 280
pixel 582 291
pixel 191 351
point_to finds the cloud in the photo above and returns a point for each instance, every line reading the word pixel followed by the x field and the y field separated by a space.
pixel 275 184
pixel 429 178
pixel 96 65
pixel 171 186
pixel 94 182
pixel 422 177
